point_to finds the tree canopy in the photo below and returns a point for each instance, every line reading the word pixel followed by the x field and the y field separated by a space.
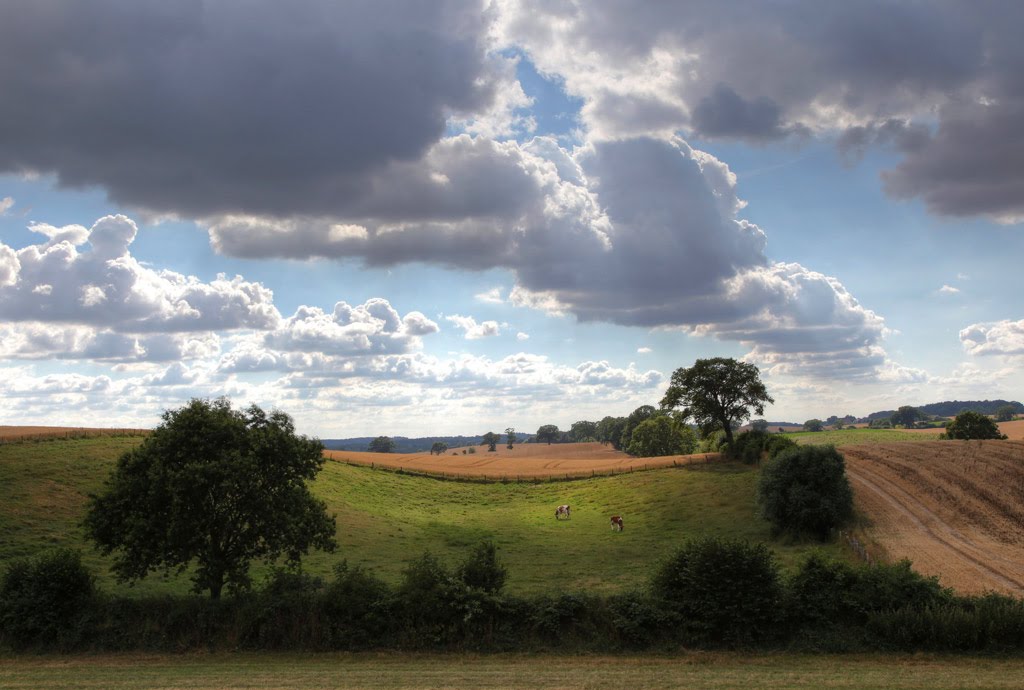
pixel 439 447
pixel 717 393
pixel 549 433
pixel 814 425
pixel 1006 413
pixel 805 490
pixel 906 416
pixel 583 431
pixel 972 425
pixel 490 439
pixel 659 436
pixel 381 444
pixel 216 488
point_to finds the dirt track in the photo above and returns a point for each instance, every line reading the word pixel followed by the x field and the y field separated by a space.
pixel 525 461
pixel 954 508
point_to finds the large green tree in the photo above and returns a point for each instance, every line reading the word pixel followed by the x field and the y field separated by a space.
pixel 906 416
pixel 659 436
pixel 717 393
pixel 381 444
pixel 215 488
pixel 972 425
pixel 549 433
pixel 1006 413
pixel 805 490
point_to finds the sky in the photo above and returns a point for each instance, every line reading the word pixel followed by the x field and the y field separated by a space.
pixel 407 218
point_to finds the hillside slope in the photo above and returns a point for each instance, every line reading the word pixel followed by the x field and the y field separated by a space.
pixel 385 519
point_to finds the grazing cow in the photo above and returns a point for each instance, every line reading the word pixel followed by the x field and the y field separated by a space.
pixel 563 510
pixel 617 522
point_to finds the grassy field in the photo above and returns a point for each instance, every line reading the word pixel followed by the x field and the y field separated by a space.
pixel 858 437
pixel 687 670
pixel 385 519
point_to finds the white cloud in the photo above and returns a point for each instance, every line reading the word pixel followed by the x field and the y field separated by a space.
pixel 474 330
pixel 948 290
pixel 492 296
pixel 520 336
pixel 994 338
pixel 6 204
pixel 644 350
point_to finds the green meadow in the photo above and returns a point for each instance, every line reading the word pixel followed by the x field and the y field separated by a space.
pixel 385 519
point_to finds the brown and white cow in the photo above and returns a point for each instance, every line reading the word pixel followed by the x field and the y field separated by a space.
pixel 563 511
pixel 617 523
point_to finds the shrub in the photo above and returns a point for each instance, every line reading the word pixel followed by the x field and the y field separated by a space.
pixel 972 425
pixel 359 607
pixel 46 600
pixel 886 587
pixel 660 436
pixel 286 612
pixel 818 592
pixel 640 621
pixel 712 442
pixel 748 446
pixel 434 603
pixel 725 591
pixel 482 570
pixel 805 490
pixel 777 443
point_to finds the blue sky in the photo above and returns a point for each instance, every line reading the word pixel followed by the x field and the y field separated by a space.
pixel 411 219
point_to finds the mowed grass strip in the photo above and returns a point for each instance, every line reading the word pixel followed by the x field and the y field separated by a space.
pixel 392 671
pixel 386 519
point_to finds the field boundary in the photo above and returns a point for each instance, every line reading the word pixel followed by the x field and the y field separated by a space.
pixel 528 478
pixel 66 434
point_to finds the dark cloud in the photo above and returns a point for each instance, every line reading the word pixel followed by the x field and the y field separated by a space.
pixel 263 107
pixel 938 81
pixel 725 114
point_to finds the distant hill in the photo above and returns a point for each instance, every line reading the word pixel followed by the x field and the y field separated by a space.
pixel 404 444
pixel 952 408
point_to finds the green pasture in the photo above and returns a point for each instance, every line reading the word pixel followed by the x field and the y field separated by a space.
pixel 857 437
pixel 692 670
pixel 385 519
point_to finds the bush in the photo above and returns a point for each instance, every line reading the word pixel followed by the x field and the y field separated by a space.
pixel 286 613
pixel 777 443
pixel 435 605
pixel 482 570
pixel 748 446
pixel 46 600
pixel 712 442
pixel 886 587
pixel 660 436
pixel 972 425
pixel 725 591
pixel 805 490
pixel 818 592
pixel 359 608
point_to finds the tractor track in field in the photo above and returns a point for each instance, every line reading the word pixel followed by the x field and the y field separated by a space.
pixel 952 509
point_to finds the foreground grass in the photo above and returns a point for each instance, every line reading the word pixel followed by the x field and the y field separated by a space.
pixel 856 437
pixel 688 670
pixel 386 519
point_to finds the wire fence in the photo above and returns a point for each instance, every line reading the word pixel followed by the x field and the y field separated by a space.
pixel 527 477
pixel 62 434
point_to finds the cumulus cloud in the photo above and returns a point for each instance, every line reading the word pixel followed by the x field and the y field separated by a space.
pixel 642 232
pixel 62 280
pixel 644 350
pixel 948 290
pixel 939 85
pixel 256 107
pixel 520 336
pixel 492 296
pixel 371 328
pixel 474 330
pixel 994 338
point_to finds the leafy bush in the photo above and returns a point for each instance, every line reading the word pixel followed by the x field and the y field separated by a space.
pixel 777 443
pixel 45 600
pixel 818 592
pixel 359 607
pixel 659 436
pixel 286 613
pixel 725 591
pixel 712 442
pixel 434 603
pixel 886 587
pixel 748 446
pixel 805 490
pixel 482 570
pixel 972 425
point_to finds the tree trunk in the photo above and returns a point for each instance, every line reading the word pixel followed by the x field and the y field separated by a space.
pixel 728 431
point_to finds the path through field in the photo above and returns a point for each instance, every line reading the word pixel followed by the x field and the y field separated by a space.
pixel 954 508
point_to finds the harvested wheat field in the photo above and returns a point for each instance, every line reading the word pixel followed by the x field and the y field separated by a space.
pixel 24 433
pixel 527 460
pixel 954 508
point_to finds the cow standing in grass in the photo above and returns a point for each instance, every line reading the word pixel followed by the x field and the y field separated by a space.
pixel 617 523
pixel 563 511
